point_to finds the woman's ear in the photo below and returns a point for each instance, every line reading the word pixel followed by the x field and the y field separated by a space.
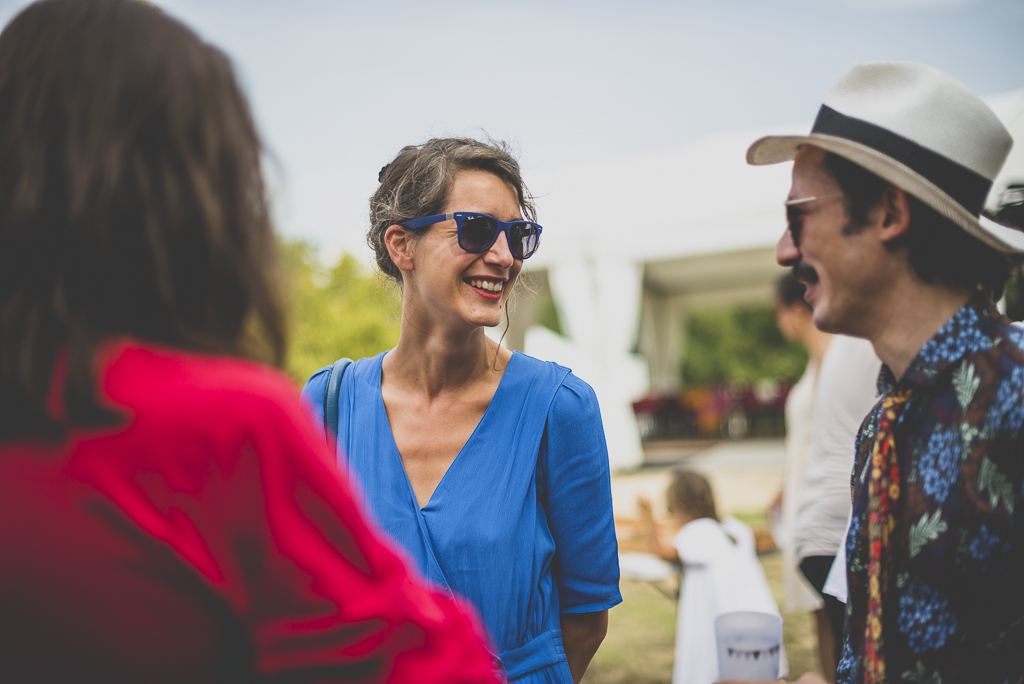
pixel 399 242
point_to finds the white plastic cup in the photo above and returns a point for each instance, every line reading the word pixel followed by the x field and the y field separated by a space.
pixel 749 645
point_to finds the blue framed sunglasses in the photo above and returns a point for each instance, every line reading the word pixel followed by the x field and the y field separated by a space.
pixel 478 232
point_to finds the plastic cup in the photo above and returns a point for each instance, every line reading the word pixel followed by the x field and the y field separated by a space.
pixel 749 645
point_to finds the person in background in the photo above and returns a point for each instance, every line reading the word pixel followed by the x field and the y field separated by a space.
pixel 489 467
pixel 845 392
pixel 793 316
pixel 1009 211
pixel 884 229
pixel 168 512
pixel 1010 206
pixel 721 573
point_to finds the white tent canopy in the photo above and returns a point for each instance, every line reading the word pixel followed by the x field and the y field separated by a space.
pixel 631 244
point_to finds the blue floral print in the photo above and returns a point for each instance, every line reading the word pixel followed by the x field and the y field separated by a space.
pixel 846 671
pixel 960 335
pixel 1007 413
pixel 925 618
pixel 981 546
pixel 952 596
pixel 1016 335
pixel 940 463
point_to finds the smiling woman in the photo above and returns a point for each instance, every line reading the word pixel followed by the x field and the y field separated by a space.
pixel 489 467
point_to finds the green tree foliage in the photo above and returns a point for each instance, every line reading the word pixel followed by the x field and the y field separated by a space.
pixel 740 344
pixel 334 312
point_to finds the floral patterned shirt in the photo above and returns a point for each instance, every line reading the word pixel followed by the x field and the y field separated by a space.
pixel 953 610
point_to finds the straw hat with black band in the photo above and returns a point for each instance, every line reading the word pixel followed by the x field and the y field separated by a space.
pixel 917 128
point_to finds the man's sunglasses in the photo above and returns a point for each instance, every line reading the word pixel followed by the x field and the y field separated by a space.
pixel 795 213
pixel 478 232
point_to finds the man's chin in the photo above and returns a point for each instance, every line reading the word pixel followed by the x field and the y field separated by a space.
pixel 824 322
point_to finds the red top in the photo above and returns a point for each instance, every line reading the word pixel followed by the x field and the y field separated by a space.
pixel 209 538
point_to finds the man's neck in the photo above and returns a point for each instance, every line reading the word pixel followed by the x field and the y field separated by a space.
pixel 911 316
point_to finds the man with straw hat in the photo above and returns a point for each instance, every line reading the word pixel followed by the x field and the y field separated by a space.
pixel 884 228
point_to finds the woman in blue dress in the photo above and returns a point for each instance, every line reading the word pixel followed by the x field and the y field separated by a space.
pixel 489 467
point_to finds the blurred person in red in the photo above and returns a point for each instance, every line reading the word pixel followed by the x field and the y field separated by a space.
pixel 167 511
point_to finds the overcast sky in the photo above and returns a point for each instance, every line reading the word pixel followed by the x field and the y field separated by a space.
pixel 339 87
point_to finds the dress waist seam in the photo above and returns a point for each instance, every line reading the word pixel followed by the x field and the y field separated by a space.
pixel 542 651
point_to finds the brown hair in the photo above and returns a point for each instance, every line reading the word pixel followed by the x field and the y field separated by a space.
pixel 691 493
pixel 132 203
pixel 419 181
pixel 939 251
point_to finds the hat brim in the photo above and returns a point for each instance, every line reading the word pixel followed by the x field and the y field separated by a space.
pixel 780 148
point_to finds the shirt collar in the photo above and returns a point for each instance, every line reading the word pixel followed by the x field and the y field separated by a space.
pixel 967 332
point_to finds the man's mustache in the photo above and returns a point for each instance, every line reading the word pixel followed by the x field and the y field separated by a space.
pixel 805 274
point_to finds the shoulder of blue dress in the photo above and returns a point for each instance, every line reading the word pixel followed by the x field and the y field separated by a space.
pixel 545 372
pixel 369 363
pixel 575 398
pixel 525 363
pixel 578 386
pixel 313 390
pixel 366 369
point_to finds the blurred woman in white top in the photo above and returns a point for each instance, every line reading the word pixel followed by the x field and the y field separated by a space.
pixel 721 573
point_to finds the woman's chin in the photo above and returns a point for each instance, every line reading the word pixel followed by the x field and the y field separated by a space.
pixel 491 322
pixel 485 319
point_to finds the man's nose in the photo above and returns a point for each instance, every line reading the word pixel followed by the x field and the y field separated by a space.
pixel 786 253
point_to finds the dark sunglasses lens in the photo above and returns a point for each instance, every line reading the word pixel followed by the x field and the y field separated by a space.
pixel 477 233
pixel 525 238
pixel 793 218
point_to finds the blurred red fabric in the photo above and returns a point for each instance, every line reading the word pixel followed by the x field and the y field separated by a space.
pixel 208 538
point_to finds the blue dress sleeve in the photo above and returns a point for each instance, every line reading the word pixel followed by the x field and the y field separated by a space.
pixel 313 397
pixel 579 501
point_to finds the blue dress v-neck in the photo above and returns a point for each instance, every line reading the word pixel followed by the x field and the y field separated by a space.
pixel 521 524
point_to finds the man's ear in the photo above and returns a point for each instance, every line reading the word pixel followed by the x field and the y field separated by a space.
pixel 399 242
pixel 896 213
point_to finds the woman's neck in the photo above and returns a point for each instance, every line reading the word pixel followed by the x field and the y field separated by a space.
pixel 432 359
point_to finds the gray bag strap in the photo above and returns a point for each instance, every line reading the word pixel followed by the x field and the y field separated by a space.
pixel 331 392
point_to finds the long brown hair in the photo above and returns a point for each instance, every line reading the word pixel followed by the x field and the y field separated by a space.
pixel 132 203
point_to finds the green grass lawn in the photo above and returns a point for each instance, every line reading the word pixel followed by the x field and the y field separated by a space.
pixel 641 631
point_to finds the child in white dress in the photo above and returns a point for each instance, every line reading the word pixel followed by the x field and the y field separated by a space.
pixel 721 574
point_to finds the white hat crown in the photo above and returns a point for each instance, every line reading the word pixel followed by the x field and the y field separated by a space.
pixel 918 128
pixel 926 106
